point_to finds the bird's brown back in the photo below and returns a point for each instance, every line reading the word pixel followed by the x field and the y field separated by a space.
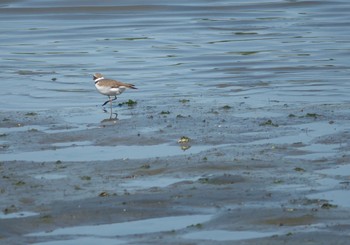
pixel 114 84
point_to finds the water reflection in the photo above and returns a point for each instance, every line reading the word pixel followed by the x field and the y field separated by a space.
pixel 113 116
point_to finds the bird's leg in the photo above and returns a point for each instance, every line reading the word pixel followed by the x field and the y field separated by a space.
pixel 109 99
pixel 115 97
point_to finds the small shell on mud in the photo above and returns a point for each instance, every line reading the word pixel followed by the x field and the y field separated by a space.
pixel 183 140
pixel 104 194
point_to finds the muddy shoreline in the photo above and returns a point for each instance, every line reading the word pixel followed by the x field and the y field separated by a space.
pixel 255 175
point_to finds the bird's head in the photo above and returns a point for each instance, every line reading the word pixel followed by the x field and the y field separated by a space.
pixel 97 76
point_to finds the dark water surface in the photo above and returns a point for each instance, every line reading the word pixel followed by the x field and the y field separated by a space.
pixel 291 51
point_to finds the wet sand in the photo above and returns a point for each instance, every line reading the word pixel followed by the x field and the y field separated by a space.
pixel 243 177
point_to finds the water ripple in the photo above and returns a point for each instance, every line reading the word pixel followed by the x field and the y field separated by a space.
pixel 182 45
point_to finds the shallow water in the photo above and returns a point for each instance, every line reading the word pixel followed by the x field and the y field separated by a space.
pixel 102 153
pixel 86 241
pixel 342 170
pixel 17 215
pixel 291 51
pixel 159 182
pixel 132 227
pixel 336 197
pixel 221 235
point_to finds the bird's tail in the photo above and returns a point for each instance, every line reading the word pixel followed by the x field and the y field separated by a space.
pixel 132 86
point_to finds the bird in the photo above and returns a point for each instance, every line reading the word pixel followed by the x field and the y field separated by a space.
pixel 110 87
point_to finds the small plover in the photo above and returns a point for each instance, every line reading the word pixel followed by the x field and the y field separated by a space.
pixel 110 87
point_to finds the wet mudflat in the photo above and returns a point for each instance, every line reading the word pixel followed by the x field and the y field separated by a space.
pixel 239 132
pixel 246 178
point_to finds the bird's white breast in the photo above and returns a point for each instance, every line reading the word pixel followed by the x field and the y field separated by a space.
pixel 110 91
